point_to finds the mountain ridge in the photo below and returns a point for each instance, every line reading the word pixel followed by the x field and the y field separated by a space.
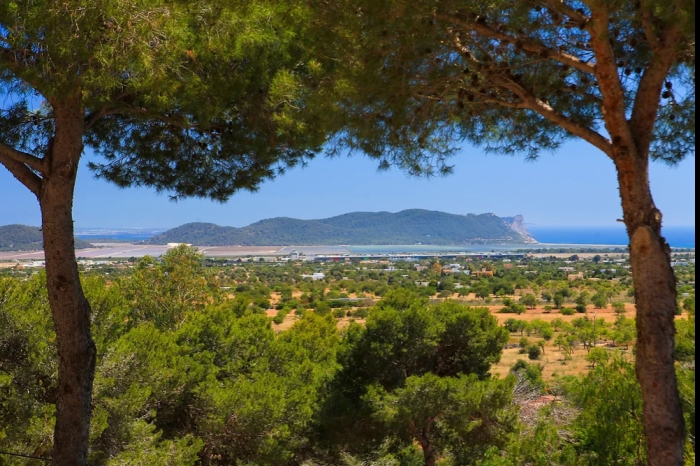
pixel 405 227
pixel 18 237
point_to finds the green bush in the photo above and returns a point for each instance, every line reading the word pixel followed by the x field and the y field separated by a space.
pixel 531 372
pixel 322 308
pixel 567 311
pixel 361 313
pixel 338 313
pixel 534 352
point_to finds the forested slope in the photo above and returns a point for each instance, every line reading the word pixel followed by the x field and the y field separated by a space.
pixel 27 238
pixel 405 227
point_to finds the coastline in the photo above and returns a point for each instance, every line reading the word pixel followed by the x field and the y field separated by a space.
pixel 119 250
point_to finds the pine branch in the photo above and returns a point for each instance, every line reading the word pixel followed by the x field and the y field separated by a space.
pixel 20 171
pixel 611 89
pixel 544 109
pixel 561 7
pixel 648 27
pixel 35 163
pixel 646 101
pixel 525 43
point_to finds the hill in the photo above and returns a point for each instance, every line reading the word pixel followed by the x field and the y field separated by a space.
pixel 26 238
pixel 405 227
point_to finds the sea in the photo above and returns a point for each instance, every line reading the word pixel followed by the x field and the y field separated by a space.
pixel 676 236
pixel 547 237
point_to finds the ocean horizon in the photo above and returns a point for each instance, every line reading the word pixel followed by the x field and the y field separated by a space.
pixel 676 236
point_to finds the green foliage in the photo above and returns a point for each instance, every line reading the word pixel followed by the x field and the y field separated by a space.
pixel 558 301
pixel 599 300
pixel 322 308
pixel 567 311
pixel 619 308
pixel 415 78
pixel 513 308
pixel 220 383
pixel 413 339
pixel 542 446
pixel 541 328
pixel 405 338
pixel 529 301
pixel 530 372
pixel 624 331
pixel 139 73
pixel 515 325
pixel 685 339
pixel 28 369
pixel 689 305
pixel 461 417
pixel 534 352
pixel 609 426
pixel 162 292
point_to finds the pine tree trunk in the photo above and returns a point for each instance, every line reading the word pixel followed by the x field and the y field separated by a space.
pixel 69 308
pixel 655 296
pixel 428 455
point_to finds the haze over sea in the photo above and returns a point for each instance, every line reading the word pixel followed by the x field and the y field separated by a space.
pixel 547 236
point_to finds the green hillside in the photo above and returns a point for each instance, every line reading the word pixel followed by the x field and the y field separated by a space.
pixel 405 227
pixel 26 238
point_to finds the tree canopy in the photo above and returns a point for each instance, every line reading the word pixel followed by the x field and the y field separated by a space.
pixel 415 78
pixel 197 100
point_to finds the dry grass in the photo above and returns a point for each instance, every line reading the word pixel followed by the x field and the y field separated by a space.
pixel 540 313
pixel 553 361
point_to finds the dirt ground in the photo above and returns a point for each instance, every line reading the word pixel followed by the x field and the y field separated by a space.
pixel 553 363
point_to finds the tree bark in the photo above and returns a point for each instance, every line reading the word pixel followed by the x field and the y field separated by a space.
pixel 69 308
pixel 655 296
pixel 424 441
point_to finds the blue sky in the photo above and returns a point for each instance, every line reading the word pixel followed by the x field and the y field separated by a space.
pixel 575 186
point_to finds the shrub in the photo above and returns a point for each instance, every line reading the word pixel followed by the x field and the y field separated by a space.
pixel 361 313
pixel 532 373
pixel 338 313
pixel 548 308
pixel 524 344
pixel 567 311
pixel 513 309
pixel 547 333
pixel 512 325
pixel 534 352
pixel 322 308
pixel 581 308
pixel 618 307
